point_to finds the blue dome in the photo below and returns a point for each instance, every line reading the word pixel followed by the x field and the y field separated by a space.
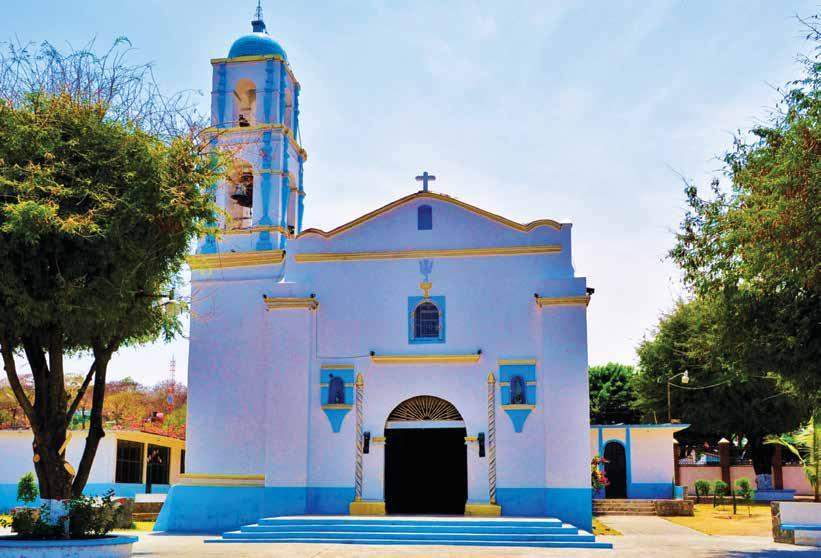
pixel 256 44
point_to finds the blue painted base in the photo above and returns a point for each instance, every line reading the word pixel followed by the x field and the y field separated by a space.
pixel 650 490
pixel 213 509
pixel 573 505
pixel 8 492
pixel 773 495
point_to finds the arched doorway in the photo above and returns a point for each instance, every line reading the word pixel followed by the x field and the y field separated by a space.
pixel 425 458
pixel 616 470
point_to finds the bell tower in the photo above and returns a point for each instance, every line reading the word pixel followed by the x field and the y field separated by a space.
pixel 255 120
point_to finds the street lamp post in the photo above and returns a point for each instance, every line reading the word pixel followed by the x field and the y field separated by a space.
pixel 685 379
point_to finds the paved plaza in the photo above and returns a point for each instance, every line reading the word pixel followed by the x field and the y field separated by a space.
pixel 642 536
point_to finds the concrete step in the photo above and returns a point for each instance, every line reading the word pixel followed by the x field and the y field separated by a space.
pixel 414 521
pixel 571 541
pixel 565 529
pixel 409 535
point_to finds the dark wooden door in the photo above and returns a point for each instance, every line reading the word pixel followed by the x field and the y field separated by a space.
pixel 616 470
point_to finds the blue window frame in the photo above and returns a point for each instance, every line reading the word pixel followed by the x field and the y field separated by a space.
pixel 424 218
pixel 426 319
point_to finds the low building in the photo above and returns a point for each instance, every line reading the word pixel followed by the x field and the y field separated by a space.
pixel 122 462
pixel 640 458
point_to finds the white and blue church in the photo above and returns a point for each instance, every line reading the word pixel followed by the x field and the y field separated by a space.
pixel 428 357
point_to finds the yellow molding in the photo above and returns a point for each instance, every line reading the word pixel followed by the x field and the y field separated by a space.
pixel 378 439
pixel 332 406
pixel 217 131
pixel 471 439
pixel 526 227
pixel 563 301
pixel 291 302
pixel 483 509
pixel 235 259
pixel 253 230
pixel 518 407
pixel 204 479
pixel 367 507
pixel 257 58
pixel 337 367
pixel 347 384
pixel 425 359
pixel 515 361
pixel 421 254
pixel 507 384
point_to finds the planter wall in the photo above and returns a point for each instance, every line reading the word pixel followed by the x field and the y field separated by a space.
pixel 107 547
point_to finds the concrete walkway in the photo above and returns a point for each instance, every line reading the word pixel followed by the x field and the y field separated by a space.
pixel 643 537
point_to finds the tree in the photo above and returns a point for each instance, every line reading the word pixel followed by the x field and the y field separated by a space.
pixel 126 408
pixel 806 445
pixel 719 401
pixel 103 185
pixel 755 246
pixel 612 398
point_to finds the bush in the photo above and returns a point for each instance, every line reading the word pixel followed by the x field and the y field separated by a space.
pixel 87 518
pixel 720 489
pixel 702 488
pixel 27 491
pixel 744 489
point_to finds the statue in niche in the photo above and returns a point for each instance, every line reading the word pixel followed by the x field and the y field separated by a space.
pixel 518 395
pixel 336 390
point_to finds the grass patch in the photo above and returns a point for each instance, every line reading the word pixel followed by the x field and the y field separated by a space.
pixel 5 518
pixel 753 521
pixel 601 529
pixel 143 526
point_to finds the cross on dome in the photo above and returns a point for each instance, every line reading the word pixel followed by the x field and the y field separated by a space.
pixel 257 24
pixel 424 178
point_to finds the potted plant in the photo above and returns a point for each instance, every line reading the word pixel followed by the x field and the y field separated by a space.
pixel 598 479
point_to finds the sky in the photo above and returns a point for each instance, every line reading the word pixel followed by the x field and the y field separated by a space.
pixel 588 112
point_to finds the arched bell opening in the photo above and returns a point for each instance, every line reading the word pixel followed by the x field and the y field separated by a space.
pixel 239 195
pixel 245 103
pixel 425 458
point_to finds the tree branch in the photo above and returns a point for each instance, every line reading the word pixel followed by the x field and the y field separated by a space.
pixel 81 393
pixel 14 380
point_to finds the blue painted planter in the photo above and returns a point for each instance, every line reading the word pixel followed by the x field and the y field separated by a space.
pixel 678 492
pixel 115 546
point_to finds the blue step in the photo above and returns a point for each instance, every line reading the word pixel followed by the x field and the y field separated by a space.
pixel 569 543
pixel 388 520
pixel 407 536
pixel 418 530
pixel 565 529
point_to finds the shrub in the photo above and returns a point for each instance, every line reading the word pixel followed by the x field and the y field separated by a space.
pixel 702 488
pixel 720 489
pixel 744 489
pixel 87 517
pixel 27 491
pixel 598 479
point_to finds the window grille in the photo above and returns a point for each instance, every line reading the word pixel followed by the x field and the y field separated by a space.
pixel 426 321
pixel 129 467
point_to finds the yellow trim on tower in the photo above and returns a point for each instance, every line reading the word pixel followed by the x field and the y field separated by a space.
pixel 291 302
pixel 337 366
pixel 378 439
pixel 425 359
pixel 217 131
pixel 563 301
pixel 235 259
pixel 526 227
pixel 471 439
pixel 257 58
pixel 421 254
pixel 515 361
pixel 252 230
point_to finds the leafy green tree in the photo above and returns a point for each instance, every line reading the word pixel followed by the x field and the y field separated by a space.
pixel 103 185
pixel 719 401
pixel 27 491
pixel 755 245
pixel 612 398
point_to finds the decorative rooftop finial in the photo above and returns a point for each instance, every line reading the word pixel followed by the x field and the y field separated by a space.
pixel 257 24
pixel 424 178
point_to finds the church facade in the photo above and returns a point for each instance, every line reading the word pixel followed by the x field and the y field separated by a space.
pixel 428 357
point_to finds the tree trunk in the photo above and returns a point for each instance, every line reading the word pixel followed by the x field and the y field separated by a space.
pixel 761 455
pixel 102 356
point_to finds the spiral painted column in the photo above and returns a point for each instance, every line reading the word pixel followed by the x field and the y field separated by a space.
pixel 360 384
pixel 491 436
